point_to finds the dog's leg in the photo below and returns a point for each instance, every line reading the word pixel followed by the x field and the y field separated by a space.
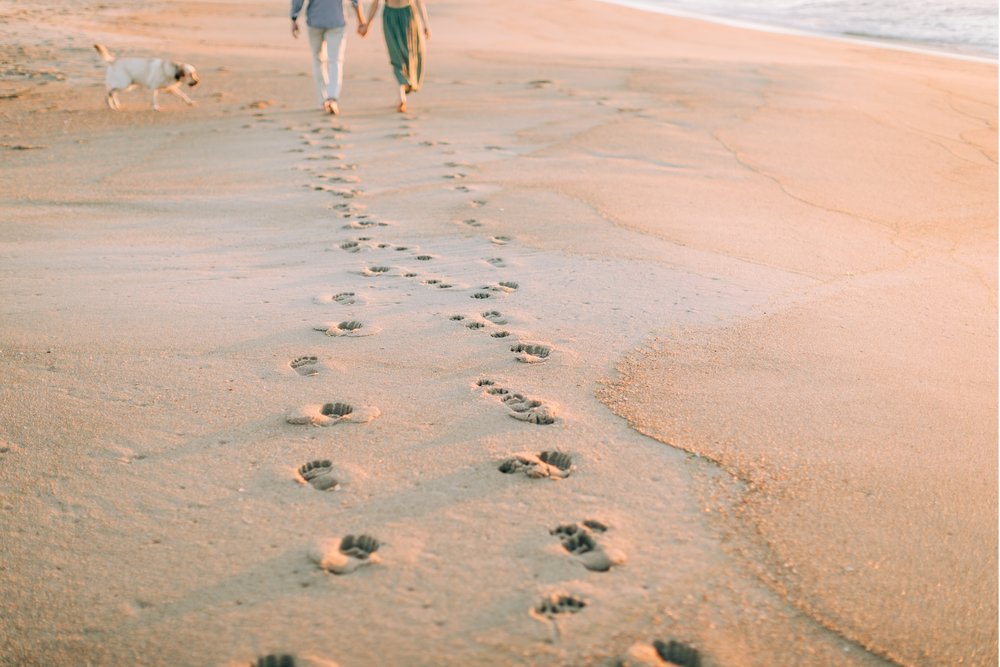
pixel 180 93
pixel 112 101
pixel 156 106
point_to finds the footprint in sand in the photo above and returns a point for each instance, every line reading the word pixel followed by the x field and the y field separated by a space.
pixel 554 606
pixel 346 194
pixel 339 178
pixel 579 539
pixel 276 660
pixel 662 654
pixel 527 409
pixel 305 365
pixel 500 240
pixel 508 285
pixel 482 295
pixel 345 298
pixel 495 317
pixel 353 328
pixel 496 261
pixel 475 325
pixel 551 464
pixel 330 414
pixel 363 224
pixel 318 475
pixel 287 660
pixel 346 554
pixel 425 258
pixel 558 603
pixel 472 222
pixel 531 353
pixel 455 176
pixel 519 406
pixel 375 271
pixel 476 203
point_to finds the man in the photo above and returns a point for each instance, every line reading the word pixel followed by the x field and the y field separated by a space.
pixel 326 20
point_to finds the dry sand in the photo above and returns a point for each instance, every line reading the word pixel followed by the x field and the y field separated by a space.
pixel 776 254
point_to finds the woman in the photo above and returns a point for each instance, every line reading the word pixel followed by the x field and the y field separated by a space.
pixel 404 42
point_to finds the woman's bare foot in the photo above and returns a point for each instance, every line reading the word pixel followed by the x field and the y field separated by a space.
pixel 330 106
pixel 401 108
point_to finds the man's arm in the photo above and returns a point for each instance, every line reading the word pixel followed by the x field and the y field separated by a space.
pixel 296 10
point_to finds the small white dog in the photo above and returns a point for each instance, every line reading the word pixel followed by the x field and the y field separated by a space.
pixel 154 73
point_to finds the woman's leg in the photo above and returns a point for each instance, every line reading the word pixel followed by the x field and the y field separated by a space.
pixel 402 40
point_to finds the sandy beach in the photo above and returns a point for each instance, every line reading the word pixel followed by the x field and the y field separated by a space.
pixel 632 329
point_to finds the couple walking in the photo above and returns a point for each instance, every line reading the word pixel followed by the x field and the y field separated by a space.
pixel 326 21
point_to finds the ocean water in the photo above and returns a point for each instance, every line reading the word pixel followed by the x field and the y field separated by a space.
pixel 964 27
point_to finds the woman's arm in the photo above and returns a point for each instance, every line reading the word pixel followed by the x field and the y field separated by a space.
pixel 363 25
pixel 371 12
pixel 423 18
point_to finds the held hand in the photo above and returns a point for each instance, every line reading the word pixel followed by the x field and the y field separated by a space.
pixel 362 29
pixel 295 30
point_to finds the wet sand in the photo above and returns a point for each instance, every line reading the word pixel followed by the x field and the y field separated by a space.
pixel 234 334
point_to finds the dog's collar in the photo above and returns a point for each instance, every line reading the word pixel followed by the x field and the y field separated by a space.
pixel 178 72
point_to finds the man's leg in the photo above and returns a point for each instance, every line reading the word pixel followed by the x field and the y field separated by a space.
pixel 337 41
pixel 317 42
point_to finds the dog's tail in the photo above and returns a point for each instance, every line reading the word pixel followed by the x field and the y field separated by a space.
pixel 108 58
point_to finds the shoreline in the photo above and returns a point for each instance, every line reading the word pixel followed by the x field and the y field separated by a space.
pixel 892 44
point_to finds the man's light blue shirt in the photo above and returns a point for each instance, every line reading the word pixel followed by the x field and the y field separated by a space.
pixel 323 13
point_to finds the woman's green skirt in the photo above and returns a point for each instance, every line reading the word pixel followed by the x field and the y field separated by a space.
pixel 405 45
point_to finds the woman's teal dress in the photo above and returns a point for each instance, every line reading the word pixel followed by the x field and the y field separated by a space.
pixel 405 45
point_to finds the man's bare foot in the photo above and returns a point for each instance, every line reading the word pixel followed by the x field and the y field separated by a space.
pixel 401 108
pixel 330 106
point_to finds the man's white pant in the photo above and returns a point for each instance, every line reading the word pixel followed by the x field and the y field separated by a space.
pixel 328 72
